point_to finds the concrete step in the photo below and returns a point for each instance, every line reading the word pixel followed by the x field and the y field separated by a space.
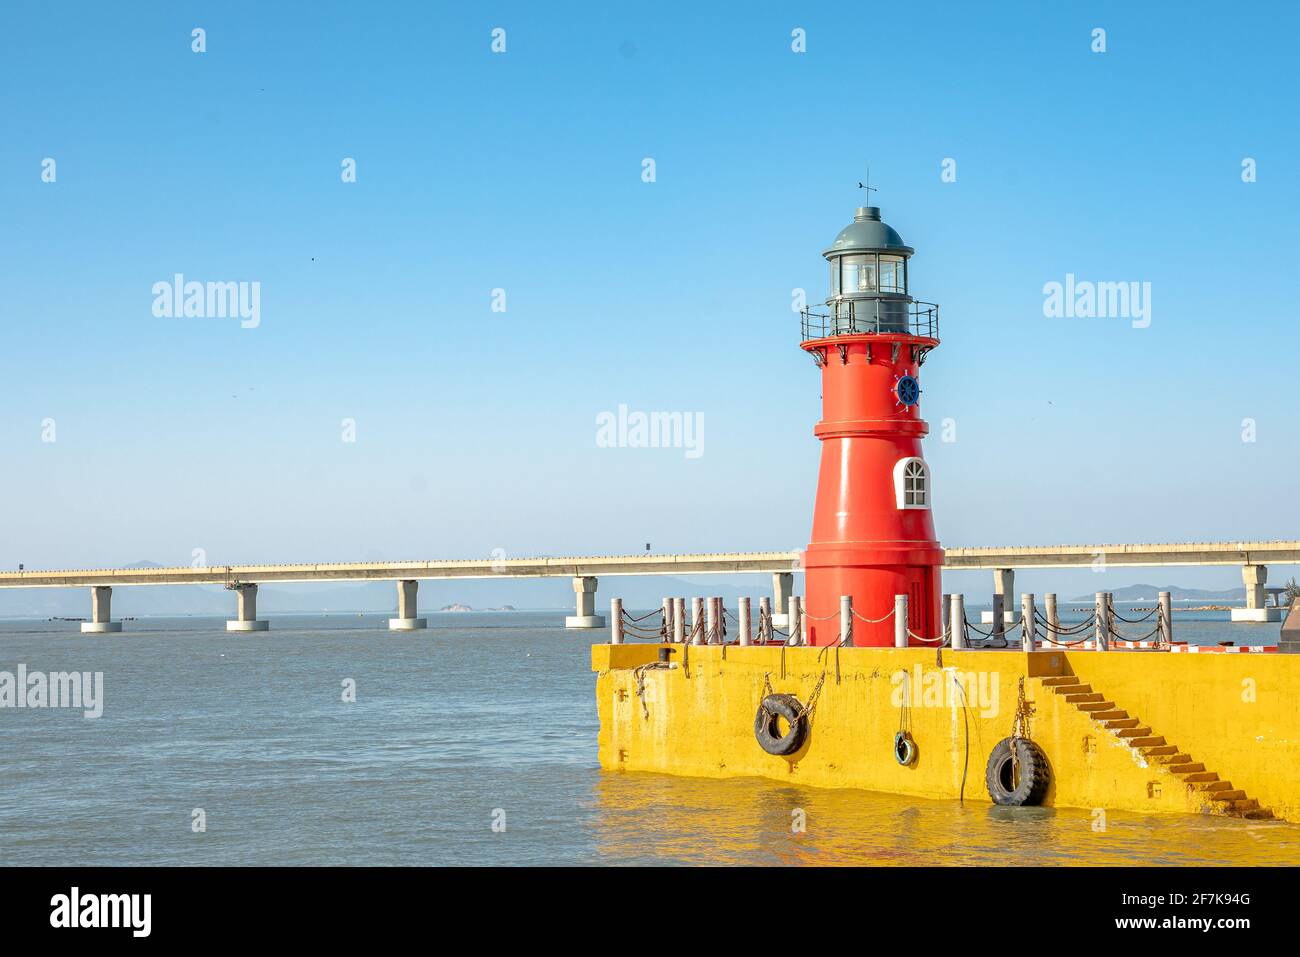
pixel 1133 733
pixel 1260 814
pixel 1076 697
pixel 1215 786
pixel 1232 794
pixel 1117 723
pixel 1186 767
pixel 1112 715
pixel 1153 741
pixel 1169 757
pixel 1091 706
pixel 1159 751
pixel 1056 680
pixel 1200 777
pixel 1249 804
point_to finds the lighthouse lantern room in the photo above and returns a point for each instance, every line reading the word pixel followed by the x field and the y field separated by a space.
pixel 873 534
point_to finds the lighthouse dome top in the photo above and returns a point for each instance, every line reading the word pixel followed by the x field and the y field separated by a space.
pixel 867 233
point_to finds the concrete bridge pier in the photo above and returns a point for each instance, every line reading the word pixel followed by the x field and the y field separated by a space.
pixel 1255 577
pixel 1004 602
pixel 406 619
pixel 585 589
pixel 101 606
pixel 782 591
pixel 247 619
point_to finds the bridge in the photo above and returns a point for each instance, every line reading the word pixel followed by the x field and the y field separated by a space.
pixel 1253 557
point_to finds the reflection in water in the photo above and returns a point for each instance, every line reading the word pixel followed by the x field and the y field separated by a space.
pixel 661 819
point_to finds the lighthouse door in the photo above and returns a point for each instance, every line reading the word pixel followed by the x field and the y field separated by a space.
pixel 917 613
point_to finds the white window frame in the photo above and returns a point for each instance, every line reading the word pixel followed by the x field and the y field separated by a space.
pixel 900 483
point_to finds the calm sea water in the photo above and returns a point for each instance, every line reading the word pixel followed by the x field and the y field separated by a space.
pixel 481 712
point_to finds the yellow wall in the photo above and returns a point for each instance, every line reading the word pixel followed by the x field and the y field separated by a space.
pixel 701 720
pixel 1201 703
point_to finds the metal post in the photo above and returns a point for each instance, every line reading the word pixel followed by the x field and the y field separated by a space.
pixel 792 620
pixel 1101 630
pixel 957 618
pixel 945 611
pixel 846 621
pixel 666 629
pixel 1028 626
pixel 743 616
pixel 1166 617
pixel 616 621
pixel 1053 619
pixel 999 618
pixel 900 621
pixel 714 634
pixel 679 620
pixel 697 622
pixel 765 619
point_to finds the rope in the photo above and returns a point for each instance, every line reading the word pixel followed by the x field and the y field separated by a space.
pixel 993 630
pixel 638 674
pixel 1133 621
pixel 873 621
pixel 628 617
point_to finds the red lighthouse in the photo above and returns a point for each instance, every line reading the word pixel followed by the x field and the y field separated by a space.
pixel 873 534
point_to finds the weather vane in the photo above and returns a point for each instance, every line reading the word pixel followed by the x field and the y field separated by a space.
pixel 867 187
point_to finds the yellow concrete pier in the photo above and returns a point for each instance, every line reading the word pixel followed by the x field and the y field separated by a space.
pixel 1135 731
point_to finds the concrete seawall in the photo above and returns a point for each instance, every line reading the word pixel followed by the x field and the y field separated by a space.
pixel 1131 731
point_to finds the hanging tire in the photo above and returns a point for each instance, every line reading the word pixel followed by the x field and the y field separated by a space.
pixel 1029 786
pixel 767 728
pixel 904 749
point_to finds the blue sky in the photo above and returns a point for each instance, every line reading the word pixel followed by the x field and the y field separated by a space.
pixel 475 430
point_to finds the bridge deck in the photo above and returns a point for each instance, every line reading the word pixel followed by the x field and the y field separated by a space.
pixel 1046 556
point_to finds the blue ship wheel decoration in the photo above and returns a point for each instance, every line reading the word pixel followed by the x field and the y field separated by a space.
pixel 908 390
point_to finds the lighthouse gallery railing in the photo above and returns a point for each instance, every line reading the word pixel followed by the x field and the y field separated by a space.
pixel 852 317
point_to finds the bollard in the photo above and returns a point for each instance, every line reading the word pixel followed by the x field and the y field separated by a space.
pixel 743 616
pixel 999 618
pixel 714 634
pixel 846 621
pixel 1053 619
pixel 900 621
pixel 765 619
pixel 1101 630
pixel 957 620
pixel 616 621
pixel 1166 615
pixel 1028 626
pixel 666 629
pixel 792 620
pixel 698 635
pixel 945 611
pixel 803 624
pixel 679 620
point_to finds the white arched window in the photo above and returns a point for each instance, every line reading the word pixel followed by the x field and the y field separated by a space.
pixel 912 483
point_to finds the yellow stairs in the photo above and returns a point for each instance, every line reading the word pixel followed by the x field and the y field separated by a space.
pixel 1218 796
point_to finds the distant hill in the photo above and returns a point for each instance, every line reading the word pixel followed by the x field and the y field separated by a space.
pixel 1151 592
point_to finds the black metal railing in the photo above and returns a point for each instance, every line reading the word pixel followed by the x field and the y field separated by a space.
pixel 855 317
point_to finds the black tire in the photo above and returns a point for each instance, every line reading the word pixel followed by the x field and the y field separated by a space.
pixel 1031 785
pixel 904 749
pixel 776 706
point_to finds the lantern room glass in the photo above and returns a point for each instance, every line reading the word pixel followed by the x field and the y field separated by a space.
pixel 868 273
